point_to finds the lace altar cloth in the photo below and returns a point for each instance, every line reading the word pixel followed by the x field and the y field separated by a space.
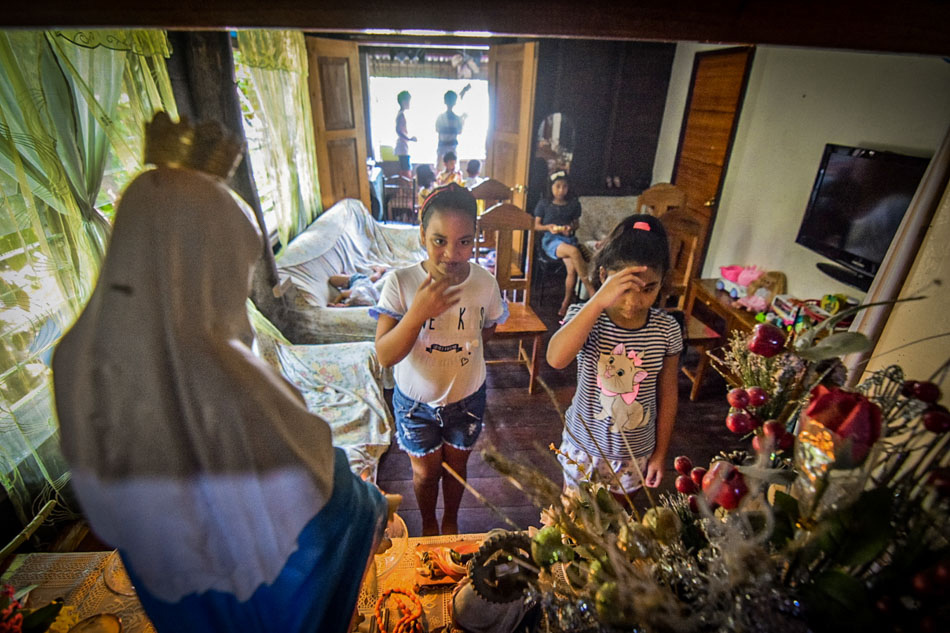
pixel 93 582
pixel 436 601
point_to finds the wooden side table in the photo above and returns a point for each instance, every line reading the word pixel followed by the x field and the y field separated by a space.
pixel 705 335
pixel 720 303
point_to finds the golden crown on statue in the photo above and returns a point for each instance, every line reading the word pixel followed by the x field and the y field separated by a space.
pixel 207 147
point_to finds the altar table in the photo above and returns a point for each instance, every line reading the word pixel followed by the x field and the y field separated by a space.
pixel 436 602
pixel 80 580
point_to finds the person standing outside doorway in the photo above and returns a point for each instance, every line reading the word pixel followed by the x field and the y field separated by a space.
pixel 402 135
pixel 449 124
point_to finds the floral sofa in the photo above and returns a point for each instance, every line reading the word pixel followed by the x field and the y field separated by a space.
pixel 341 382
pixel 345 239
pixel 600 214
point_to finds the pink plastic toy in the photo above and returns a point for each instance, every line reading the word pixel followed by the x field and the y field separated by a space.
pixel 735 279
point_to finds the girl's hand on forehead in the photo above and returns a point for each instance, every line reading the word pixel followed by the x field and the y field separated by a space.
pixel 435 297
pixel 618 283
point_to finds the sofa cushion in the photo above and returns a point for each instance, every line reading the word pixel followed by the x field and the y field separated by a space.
pixel 345 239
pixel 600 214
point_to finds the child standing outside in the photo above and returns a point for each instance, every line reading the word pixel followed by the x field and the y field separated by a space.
pixel 621 419
pixel 557 214
pixel 432 322
pixel 402 134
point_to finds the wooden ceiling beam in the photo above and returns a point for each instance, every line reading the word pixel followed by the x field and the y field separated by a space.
pixel 911 26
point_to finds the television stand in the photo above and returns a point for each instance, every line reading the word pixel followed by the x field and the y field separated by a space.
pixel 846 276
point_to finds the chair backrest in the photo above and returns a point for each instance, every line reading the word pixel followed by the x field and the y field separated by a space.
pixel 491 189
pixel 514 253
pixel 400 194
pixel 684 233
pixel 660 199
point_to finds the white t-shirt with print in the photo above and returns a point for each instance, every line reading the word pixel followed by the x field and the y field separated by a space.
pixel 447 361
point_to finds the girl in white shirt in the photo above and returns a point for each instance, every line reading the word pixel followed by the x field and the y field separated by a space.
pixel 432 321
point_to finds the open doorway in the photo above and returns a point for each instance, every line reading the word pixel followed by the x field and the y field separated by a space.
pixel 427 74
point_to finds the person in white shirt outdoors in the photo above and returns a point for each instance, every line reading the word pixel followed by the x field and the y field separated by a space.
pixel 449 124
pixel 402 135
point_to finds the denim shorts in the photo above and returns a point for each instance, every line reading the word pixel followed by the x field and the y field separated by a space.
pixel 550 242
pixel 422 429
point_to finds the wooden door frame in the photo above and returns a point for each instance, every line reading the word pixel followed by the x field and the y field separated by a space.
pixel 526 116
pixel 732 133
pixel 322 136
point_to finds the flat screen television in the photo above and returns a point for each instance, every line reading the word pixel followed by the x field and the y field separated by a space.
pixel 857 203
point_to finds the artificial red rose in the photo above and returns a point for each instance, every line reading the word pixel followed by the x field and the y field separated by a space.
pixel 852 417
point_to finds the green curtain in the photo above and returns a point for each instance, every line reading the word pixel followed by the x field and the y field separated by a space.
pixel 72 105
pixel 278 66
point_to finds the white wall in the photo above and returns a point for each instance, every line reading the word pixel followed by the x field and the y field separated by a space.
pixel 798 100
pixel 917 334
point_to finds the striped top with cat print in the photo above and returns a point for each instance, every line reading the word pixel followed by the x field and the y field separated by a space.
pixel 610 366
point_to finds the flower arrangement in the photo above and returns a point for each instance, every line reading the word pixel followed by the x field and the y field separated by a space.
pixel 834 517
pixel 54 617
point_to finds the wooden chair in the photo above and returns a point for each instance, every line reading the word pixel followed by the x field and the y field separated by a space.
pixel 490 192
pixel 487 194
pixel 400 194
pixel 660 199
pixel 703 338
pixel 513 234
pixel 683 233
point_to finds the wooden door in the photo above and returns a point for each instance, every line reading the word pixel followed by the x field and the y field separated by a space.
pixel 512 70
pixel 709 125
pixel 336 99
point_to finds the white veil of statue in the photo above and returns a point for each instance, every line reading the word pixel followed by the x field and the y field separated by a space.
pixel 188 453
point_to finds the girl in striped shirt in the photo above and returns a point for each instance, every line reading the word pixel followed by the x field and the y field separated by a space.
pixel 618 427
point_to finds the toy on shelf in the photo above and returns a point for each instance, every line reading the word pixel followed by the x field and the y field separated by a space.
pixel 797 314
pixel 761 291
pixel 786 308
pixel 735 279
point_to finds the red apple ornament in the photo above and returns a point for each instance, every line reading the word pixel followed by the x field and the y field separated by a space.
pixel 922 390
pixel 936 419
pixel 738 398
pixel 683 465
pixel 757 396
pixel 697 475
pixel 740 422
pixel 767 340
pixel 685 485
pixel 724 485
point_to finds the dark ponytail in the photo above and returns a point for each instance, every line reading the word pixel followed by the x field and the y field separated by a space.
pixel 637 239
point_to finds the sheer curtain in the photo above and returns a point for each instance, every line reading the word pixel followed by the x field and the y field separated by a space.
pixel 278 67
pixel 72 105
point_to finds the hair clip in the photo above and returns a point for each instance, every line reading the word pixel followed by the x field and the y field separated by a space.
pixel 556 175
pixel 643 226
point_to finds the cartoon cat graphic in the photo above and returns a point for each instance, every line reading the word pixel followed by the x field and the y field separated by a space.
pixel 618 377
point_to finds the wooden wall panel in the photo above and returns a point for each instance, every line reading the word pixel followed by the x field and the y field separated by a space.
pixel 337 103
pixel 508 77
pixel 343 154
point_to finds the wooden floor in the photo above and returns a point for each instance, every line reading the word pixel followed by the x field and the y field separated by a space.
pixel 516 423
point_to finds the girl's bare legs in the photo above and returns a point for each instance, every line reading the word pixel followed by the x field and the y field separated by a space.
pixel 569 252
pixel 569 280
pixel 452 489
pixel 426 471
